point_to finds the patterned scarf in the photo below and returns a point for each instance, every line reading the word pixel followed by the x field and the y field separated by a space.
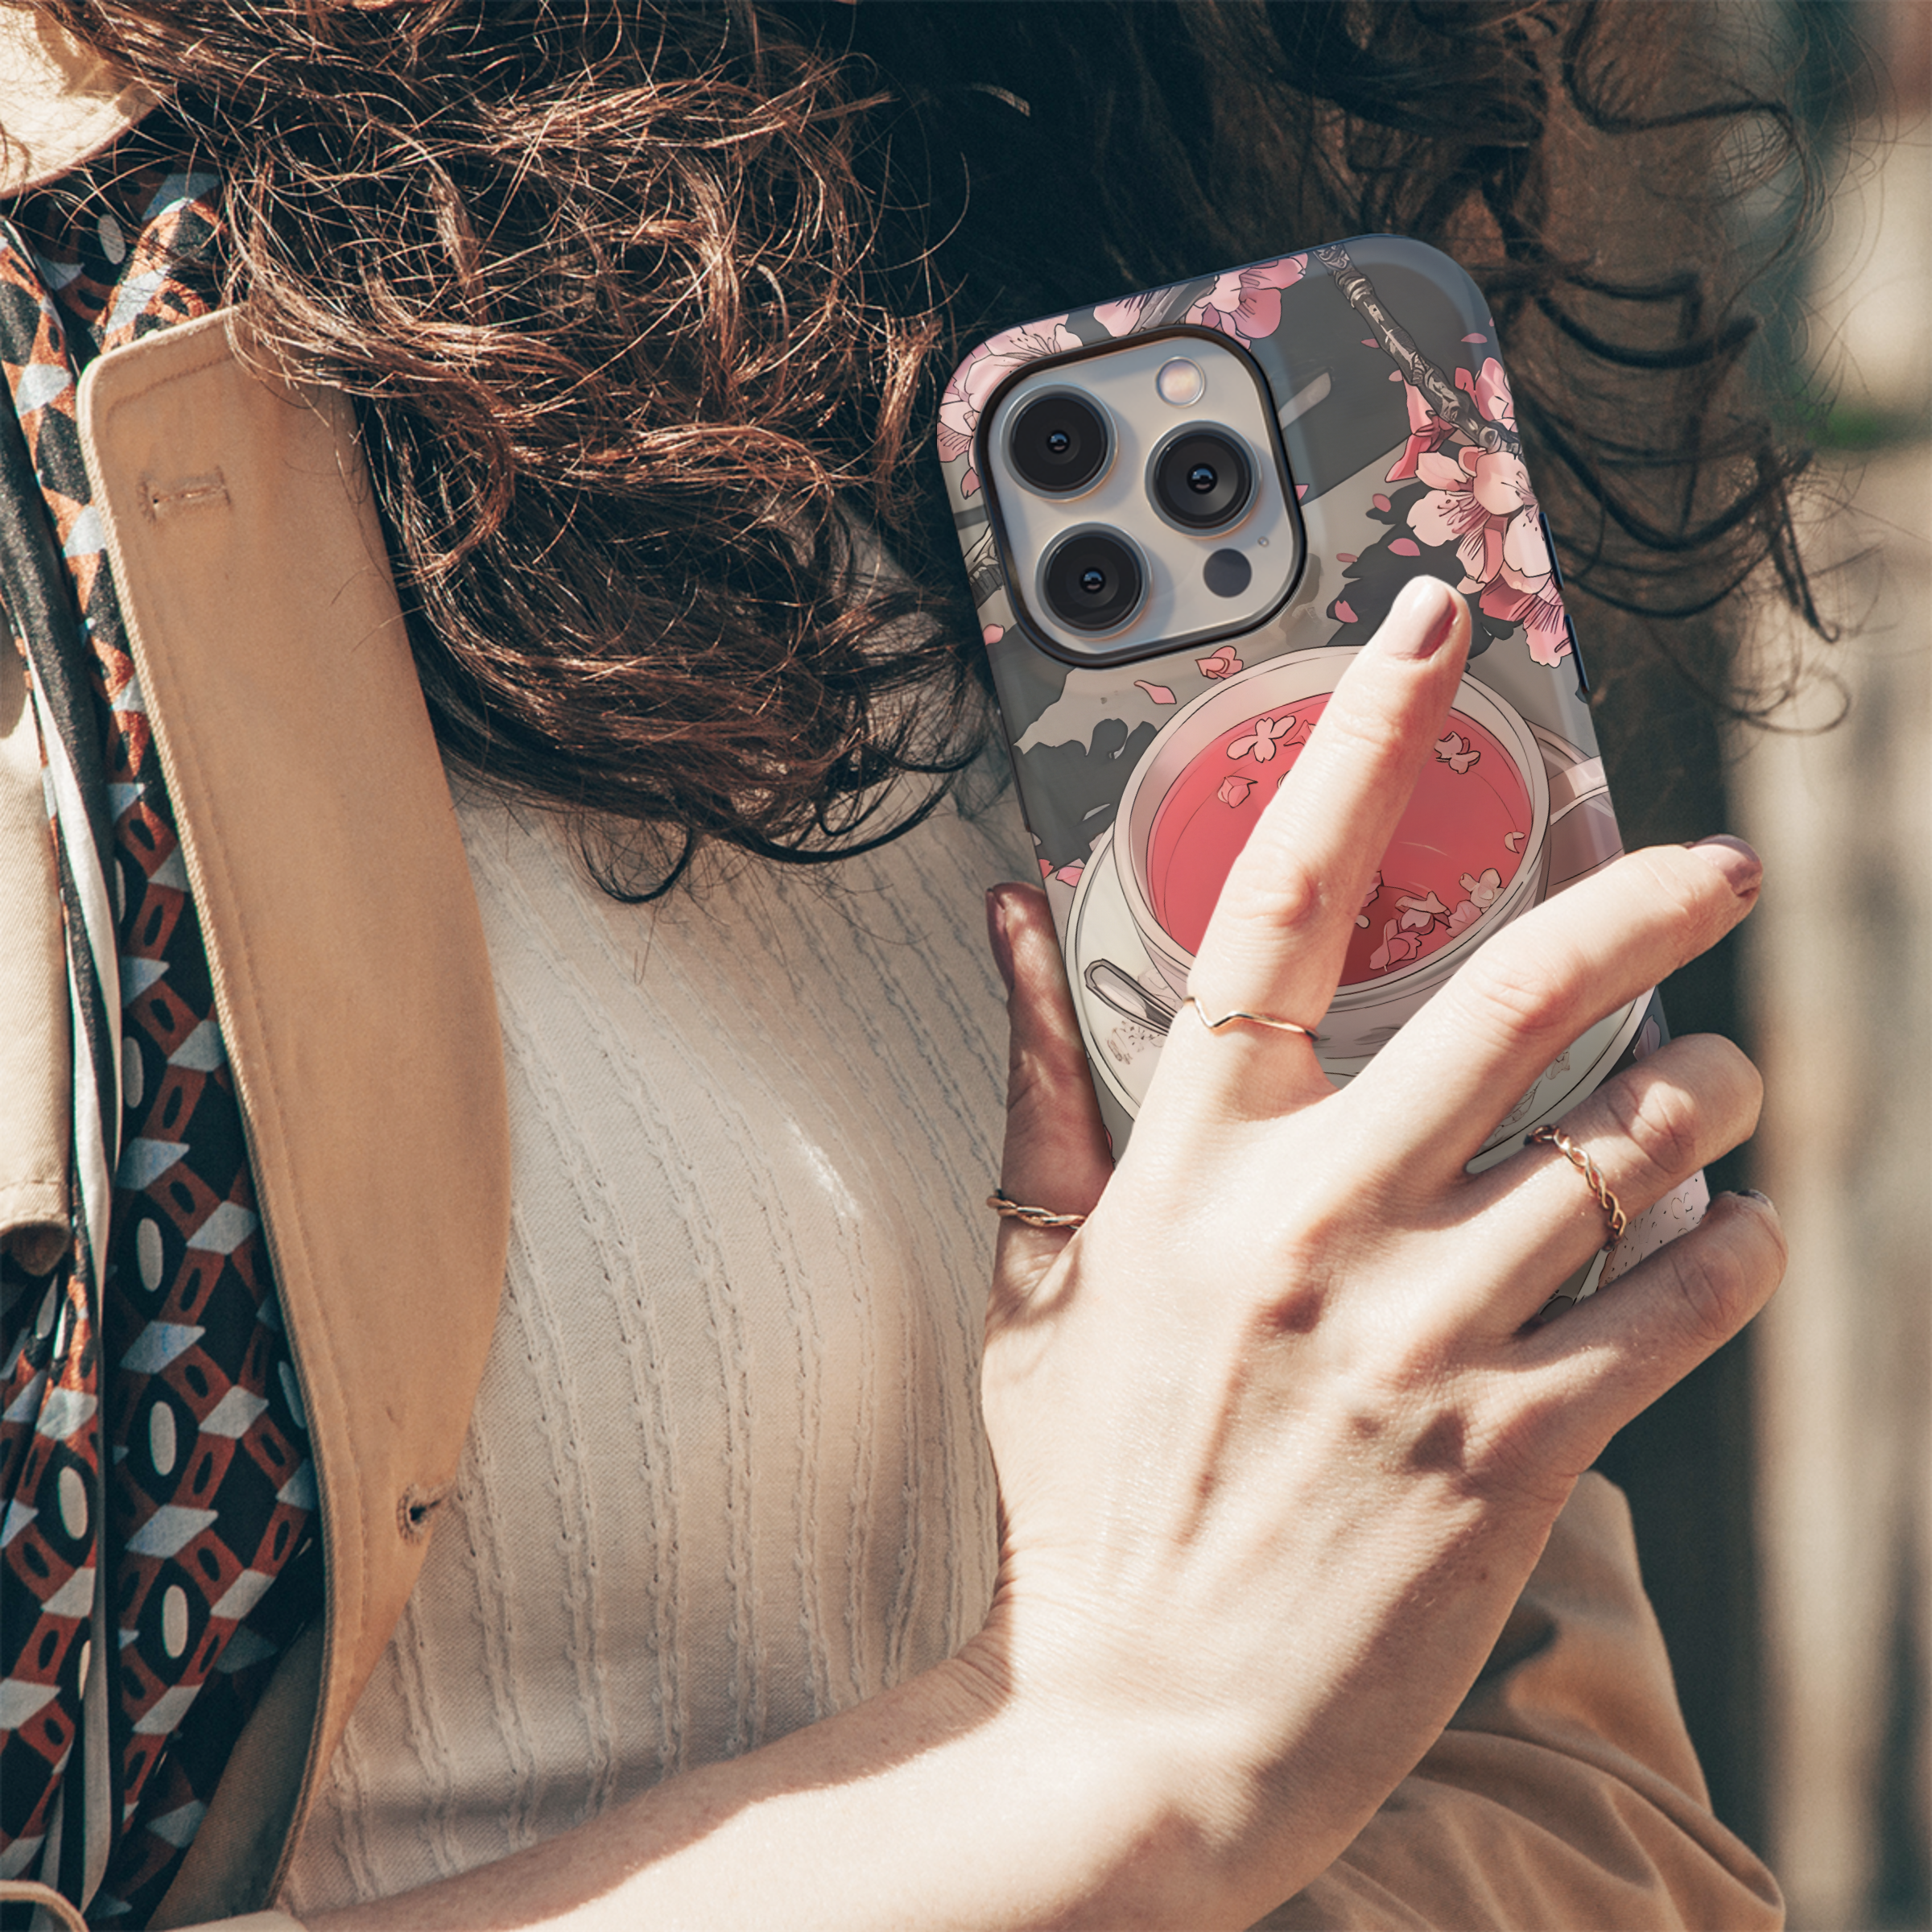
pixel 158 1544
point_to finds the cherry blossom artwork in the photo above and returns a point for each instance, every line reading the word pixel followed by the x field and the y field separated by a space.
pixel 1245 304
pixel 1263 737
pixel 1445 867
pixel 975 380
pixel 1401 444
pixel 1419 914
pixel 1482 503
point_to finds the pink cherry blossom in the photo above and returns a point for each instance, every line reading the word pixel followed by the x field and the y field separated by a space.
pixel 1482 502
pixel 1427 432
pixel 1223 664
pixel 1268 733
pixel 1466 914
pixel 1246 303
pixel 1419 914
pixel 1490 388
pixel 1234 791
pixel 992 633
pixel 1070 875
pixel 981 372
pixel 1533 603
pixel 1456 751
pixel 1375 885
pixel 1484 887
pixel 1159 693
pixel 1397 949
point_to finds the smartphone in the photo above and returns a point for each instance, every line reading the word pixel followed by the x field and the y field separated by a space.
pixel 1182 514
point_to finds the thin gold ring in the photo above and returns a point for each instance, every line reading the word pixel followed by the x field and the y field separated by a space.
pixel 1007 1209
pixel 1253 1019
pixel 1579 1159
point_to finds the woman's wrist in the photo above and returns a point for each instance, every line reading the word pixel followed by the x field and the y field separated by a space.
pixel 1117 1817
pixel 1154 1807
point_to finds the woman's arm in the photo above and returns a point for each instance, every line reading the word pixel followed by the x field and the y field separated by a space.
pixel 1279 1442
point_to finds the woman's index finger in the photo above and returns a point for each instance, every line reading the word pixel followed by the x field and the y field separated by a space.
pixel 1280 933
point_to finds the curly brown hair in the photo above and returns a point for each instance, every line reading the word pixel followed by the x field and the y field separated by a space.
pixel 645 309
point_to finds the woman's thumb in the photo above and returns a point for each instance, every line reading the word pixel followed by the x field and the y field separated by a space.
pixel 1056 1156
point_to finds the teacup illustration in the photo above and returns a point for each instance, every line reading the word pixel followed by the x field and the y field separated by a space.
pixel 1469 854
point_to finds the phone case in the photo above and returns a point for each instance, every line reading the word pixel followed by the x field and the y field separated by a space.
pixel 1376 361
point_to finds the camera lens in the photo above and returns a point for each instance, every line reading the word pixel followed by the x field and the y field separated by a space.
pixel 1059 442
pixel 1202 480
pixel 1093 581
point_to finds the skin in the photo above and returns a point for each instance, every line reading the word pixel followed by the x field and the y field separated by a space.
pixel 1279 1439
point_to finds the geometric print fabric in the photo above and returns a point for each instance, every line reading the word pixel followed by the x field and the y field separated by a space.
pixel 167 1391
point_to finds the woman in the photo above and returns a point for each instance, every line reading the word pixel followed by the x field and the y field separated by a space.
pixel 714 1622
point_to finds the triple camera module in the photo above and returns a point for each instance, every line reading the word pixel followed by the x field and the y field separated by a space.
pixel 1141 497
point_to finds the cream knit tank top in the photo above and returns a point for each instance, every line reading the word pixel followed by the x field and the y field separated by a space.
pixel 726 1474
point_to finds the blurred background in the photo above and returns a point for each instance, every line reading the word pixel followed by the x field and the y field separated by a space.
pixel 1784 1494
pixel 1837 995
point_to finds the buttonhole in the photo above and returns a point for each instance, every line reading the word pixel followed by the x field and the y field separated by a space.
pixel 191 493
pixel 418 1505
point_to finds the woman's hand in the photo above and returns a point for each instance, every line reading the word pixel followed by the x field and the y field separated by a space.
pixel 1279 1438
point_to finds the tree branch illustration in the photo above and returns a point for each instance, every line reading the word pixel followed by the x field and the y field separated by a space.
pixel 1450 403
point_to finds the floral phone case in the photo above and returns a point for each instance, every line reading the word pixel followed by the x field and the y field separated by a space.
pixel 1145 752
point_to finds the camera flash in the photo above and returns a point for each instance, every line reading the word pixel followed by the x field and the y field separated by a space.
pixel 1179 382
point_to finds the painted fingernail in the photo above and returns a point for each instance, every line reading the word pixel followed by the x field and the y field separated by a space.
pixel 1735 860
pixel 1429 605
pixel 996 934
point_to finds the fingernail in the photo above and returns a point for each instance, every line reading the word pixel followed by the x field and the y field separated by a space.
pixel 1735 860
pixel 996 934
pixel 1429 605
pixel 1751 1193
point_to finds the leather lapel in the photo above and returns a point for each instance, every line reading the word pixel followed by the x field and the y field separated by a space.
pixel 350 974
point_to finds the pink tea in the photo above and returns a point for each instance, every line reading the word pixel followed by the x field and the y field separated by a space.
pixel 1458 845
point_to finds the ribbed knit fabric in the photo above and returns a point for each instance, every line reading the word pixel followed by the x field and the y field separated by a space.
pixel 726 1473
